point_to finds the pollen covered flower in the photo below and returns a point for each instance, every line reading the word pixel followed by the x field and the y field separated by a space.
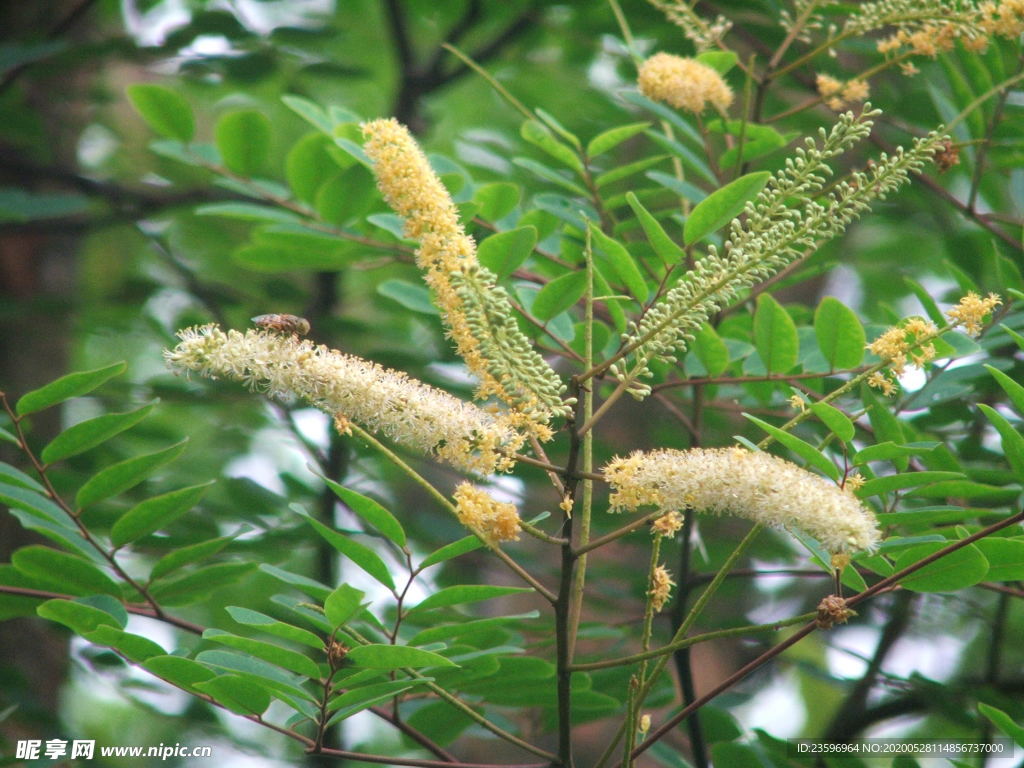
pixel 661 587
pixel 683 83
pixel 898 342
pixel 754 485
pixel 880 381
pixel 493 520
pixel 350 389
pixel 837 94
pixel 668 524
pixel 477 312
pixel 971 311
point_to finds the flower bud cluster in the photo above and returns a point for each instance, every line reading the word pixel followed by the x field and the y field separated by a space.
pixel 788 217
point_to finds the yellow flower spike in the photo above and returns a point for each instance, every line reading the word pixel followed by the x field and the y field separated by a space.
pixel 477 312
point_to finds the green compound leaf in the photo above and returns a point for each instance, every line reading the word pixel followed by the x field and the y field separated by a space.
pixel 889 450
pixel 65 572
pixel 1003 722
pixel 179 558
pixel 465 593
pixel 611 138
pixel 723 205
pixel 449 551
pixel 620 263
pixel 249 212
pixel 285 658
pixel 272 626
pixel 119 477
pixel 412 296
pixel 77 616
pixel 775 335
pixel 308 165
pixel 342 604
pixel 134 647
pixel 165 111
pixel 12 476
pixel 711 350
pixel 358 553
pixel 1013 442
pixel 720 61
pixel 236 693
pixel 663 245
pixel 358 699
pixel 504 252
pixel 1012 388
pixel 803 449
pixel 840 334
pixel 179 671
pixel 199 584
pixel 835 420
pixel 308 111
pixel 957 570
pixel 396 657
pixel 1005 558
pixel 66 387
pixel 243 140
pixel 305 584
pixel 496 200
pixel 558 295
pixel 371 512
pixel 155 513
pixel 904 480
pixel 88 434
pixel 538 135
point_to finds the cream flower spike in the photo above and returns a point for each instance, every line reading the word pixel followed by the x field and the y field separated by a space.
pixel 750 484
pixel 477 312
pixel 683 83
pixel 348 388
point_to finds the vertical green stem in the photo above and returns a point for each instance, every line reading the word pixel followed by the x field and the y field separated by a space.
pixel 587 496
pixel 688 622
pixel 638 681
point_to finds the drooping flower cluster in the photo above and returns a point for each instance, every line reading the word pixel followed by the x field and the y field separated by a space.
pixel 408 411
pixel 493 520
pixel 838 94
pixel 971 311
pixel 787 218
pixel 683 83
pixel 754 485
pixel 477 312
pixel 661 587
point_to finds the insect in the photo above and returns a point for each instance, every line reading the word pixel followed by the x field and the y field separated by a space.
pixel 293 324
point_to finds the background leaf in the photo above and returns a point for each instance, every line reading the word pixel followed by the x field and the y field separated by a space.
pixel 166 112
pixel 722 206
